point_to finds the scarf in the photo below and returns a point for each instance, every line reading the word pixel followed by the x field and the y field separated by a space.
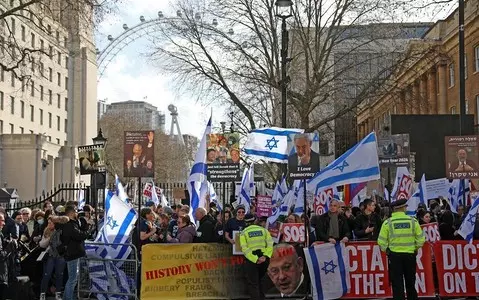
pixel 333 226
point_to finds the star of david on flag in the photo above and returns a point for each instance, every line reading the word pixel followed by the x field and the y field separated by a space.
pixel 328 270
pixel 467 227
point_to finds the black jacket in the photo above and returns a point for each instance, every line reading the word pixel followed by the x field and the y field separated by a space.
pixel 10 230
pixel 322 227
pixel 206 231
pixel 73 237
pixel 362 222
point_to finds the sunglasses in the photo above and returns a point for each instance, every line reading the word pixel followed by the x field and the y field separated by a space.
pixel 240 213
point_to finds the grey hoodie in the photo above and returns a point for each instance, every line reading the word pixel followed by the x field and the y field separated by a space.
pixel 185 235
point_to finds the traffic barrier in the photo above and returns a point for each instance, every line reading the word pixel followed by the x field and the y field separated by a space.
pixel 109 277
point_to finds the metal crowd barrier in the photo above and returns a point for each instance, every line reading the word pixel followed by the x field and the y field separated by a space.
pixel 100 274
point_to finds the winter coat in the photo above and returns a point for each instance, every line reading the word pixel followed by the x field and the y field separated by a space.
pixel 185 235
pixel 3 260
pixel 51 238
pixel 362 222
pixel 206 231
pixel 322 226
pixel 73 237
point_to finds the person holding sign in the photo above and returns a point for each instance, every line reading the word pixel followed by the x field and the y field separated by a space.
pixel 401 237
pixel 257 246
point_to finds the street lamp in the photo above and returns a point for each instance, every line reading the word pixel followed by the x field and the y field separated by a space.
pixel 98 140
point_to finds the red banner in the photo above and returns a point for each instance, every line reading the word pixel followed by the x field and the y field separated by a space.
pixel 457 268
pixel 431 232
pixel 292 232
pixel 369 272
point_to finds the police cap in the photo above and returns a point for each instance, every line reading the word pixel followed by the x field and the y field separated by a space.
pixel 399 203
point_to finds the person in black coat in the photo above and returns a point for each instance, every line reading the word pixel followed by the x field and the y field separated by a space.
pixel 73 247
pixel 332 226
pixel 16 229
pixel 206 231
pixel 368 224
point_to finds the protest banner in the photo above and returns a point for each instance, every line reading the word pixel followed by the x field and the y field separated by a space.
pixel 263 206
pixel 368 271
pixel 462 157
pixel 393 150
pixel 147 190
pixel 457 264
pixel 321 201
pixel 292 232
pixel 405 187
pixel 223 157
pixel 437 188
pixel 139 154
pixel 303 161
pixel 431 232
pixel 191 271
pixel 91 159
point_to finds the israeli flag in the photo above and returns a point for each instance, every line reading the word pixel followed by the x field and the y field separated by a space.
pixel 298 187
pixel 198 173
pixel 106 277
pixel 269 144
pixel 358 164
pixel 214 196
pixel 81 199
pixel 420 196
pixel 279 192
pixel 245 191
pixel 458 190
pixel 328 270
pixel 205 189
pixel 467 227
pixel 120 191
pixel 157 200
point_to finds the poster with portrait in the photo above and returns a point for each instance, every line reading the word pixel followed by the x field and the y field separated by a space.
pixel 91 159
pixel 393 150
pixel 462 156
pixel 139 154
pixel 303 159
pixel 223 157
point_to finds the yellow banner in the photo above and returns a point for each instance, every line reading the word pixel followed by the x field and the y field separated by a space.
pixel 191 271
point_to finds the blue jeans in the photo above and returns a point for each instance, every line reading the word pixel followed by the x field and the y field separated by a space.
pixel 72 267
pixel 57 264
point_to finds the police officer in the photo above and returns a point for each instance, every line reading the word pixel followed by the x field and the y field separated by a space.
pixel 257 246
pixel 401 237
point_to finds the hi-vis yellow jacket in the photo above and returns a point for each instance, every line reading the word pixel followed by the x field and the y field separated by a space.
pixel 254 238
pixel 401 233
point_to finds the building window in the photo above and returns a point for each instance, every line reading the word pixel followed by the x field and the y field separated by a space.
pixel 22 109
pixel 66 104
pixel 32 92
pixel 1 126
pixel 58 37
pixel 1 100
pixel 453 110
pixel 12 79
pixel 59 79
pixel 50 51
pixel 66 83
pixel 476 58
pixel 50 74
pixel 50 120
pixel 451 75
pixel 12 105
pixel 50 97
pixel 24 34
pixel 13 26
pixel 42 45
pixel 23 85
pixel 32 113
pixel 49 138
pixel 65 125
pixel 65 42
pixel 66 61
pixel 33 64
pixel 59 57
pixel 21 130
pixel 31 131
pixel 41 93
pixel 58 141
pixel 59 101
pixel 58 123
pixel 41 116
pixel 11 128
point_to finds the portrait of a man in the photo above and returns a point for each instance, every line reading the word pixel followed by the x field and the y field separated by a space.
pixel 286 271
pixel 304 156
pixel 462 163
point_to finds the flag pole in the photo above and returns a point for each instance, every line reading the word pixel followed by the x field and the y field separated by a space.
pixel 306 218
pixel 139 216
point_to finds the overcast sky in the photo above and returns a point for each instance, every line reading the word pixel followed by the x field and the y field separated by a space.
pixel 130 77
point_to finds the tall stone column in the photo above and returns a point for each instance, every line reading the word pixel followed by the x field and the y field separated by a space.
pixel 442 88
pixel 408 100
pixel 416 99
pixel 402 103
pixel 424 106
pixel 432 91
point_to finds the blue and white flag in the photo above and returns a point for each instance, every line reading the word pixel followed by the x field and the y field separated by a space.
pixel 214 197
pixel 269 144
pixel 120 191
pixel 205 189
pixel 161 200
pixel 279 192
pixel 458 192
pixel 358 164
pixel 328 270
pixel 198 173
pixel 81 199
pixel 298 187
pixel 244 197
pixel 420 196
pixel 107 279
pixel 467 227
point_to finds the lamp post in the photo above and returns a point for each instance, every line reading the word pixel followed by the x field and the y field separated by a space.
pixel 98 140
pixel 284 10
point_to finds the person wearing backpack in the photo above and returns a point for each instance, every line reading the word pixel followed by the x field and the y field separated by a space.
pixel 54 262
pixel 73 240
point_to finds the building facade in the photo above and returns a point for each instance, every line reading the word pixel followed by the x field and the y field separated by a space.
pixel 145 114
pixel 48 102
pixel 430 84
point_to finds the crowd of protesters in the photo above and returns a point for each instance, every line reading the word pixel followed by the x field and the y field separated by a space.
pixel 58 233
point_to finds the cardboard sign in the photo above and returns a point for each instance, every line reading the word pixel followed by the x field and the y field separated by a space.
pixel 293 232
pixel 263 206
pixel 321 201
pixel 457 264
pixel 237 246
pixel 147 190
pixel 431 232
pixel 369 275
pixel 179 193
pixel 437 188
